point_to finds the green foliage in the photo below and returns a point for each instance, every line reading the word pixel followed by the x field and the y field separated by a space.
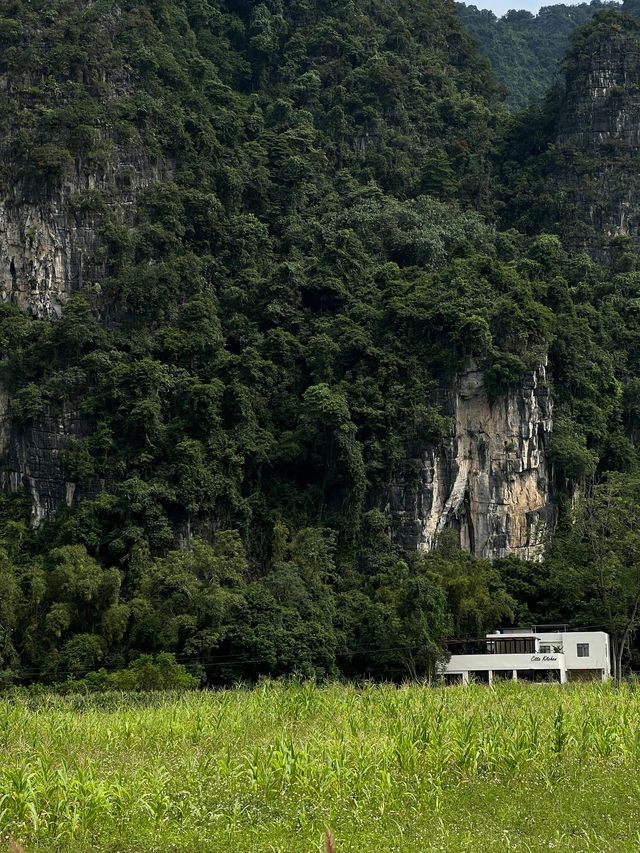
pixel 506 371
pixel 297 218
pixel 476 597
pixel 526 50
pixel 143 674
pixel 595 562
pixel 422 231
pixel 569 453
pixel 279 763
pixel 49 162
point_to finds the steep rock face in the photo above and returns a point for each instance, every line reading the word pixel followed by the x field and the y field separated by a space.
pixel 37 263
pixel 599 136
pixel 489 481
pixel 53 216
pixel 33 462
pixel 50 240
pixel 602 102
pixel 51 244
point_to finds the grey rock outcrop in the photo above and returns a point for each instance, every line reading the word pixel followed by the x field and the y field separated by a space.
pixel 599 138
pixel 489 481
pixel 50 241
pixel 48 250
pixel 602 101
pixel 52 244
pixel 33 462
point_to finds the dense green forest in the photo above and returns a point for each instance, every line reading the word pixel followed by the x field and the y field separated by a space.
pixel 525 50
pixel 325 233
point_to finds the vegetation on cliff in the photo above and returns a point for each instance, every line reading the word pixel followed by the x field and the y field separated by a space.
pixel 313 253
pixel 526 50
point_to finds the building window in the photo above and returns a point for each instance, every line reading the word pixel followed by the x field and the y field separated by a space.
pixel 513 646
pixel 545 649
pixel 583 650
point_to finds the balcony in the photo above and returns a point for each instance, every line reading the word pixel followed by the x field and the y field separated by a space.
pixel 529 665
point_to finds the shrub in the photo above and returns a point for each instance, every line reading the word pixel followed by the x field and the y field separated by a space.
pixel 143 674
pixel 49 162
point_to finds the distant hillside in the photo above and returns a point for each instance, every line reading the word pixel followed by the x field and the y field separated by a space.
pixel 525 50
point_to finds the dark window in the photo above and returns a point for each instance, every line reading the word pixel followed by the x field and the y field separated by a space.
pixel 538 675
pixel 545 649
pixel 479 676
pixel 583 650
pixel 514 646
pixel 502 674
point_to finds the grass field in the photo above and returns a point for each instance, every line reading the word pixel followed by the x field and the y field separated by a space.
pixel 522 768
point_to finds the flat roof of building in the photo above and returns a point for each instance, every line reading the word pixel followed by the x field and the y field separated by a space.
pixel 512 635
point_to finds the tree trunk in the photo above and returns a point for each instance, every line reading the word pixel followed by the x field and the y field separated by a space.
pixel 626 638
pixel 619 663
pixel 614 659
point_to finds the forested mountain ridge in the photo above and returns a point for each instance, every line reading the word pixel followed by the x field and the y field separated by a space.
pixel 526 50
pixel 261 319
pixel 579 158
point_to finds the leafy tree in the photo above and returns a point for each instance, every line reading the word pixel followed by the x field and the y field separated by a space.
pixel 145 673
pixel 595 562
pixel 9 604
pixel 302 224
pixel 395 618
pixel 476 598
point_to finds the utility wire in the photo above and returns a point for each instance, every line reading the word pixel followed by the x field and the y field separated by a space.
pixel 184 657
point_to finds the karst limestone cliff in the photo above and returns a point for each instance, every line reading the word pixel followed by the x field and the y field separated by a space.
pixel 599 138
pixel 490 481
pixel 51 245
pixel 50 237
pixel 32 460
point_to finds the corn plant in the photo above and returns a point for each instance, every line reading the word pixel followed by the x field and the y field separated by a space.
pixel 387 768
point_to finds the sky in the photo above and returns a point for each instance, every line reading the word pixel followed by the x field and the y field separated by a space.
pixel 499 7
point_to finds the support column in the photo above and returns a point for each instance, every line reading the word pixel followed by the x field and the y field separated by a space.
pixel 490 677
pixel 465 677
pixel 515 675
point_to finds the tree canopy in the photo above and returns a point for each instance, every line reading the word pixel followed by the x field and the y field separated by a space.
pixel 306 218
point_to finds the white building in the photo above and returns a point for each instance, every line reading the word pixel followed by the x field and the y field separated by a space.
pixel 550 654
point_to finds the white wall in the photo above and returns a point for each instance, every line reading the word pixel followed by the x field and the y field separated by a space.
pixel 567 660
pixel 598 650
pixel 484 663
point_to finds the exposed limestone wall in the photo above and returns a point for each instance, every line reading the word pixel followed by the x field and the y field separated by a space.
pixel 489 482
pixel 602 100
pixel 32 461
pixel 36 256
pixel 50 244
pixel 49 250
pixel 599 134
pixel 50 231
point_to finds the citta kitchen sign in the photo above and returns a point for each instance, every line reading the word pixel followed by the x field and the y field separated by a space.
pixel 543 658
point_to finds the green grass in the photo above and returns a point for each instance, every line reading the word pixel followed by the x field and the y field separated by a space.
pixel 523 768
